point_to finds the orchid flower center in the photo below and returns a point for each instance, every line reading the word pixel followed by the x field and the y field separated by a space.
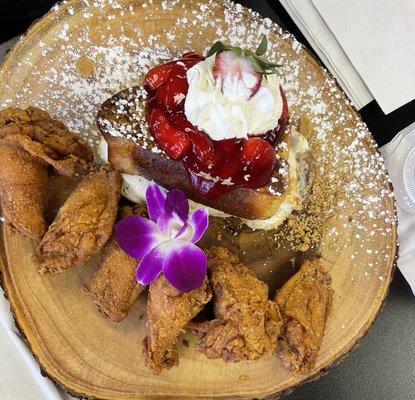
pixel 185 233
pixel 175 226
pixel 177 229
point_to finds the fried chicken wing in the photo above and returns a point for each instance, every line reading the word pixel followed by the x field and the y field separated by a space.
pixel 83 224
pixel 38 126
pixel 114 287
pixel 23 188
pixel 30 141
pixel 304 301
pixel 168 313
pixel 247 323
pixel 66 165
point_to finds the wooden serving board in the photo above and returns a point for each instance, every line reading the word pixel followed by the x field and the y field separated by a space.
pixel 83 52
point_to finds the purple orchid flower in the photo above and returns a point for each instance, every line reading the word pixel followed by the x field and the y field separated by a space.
pixel 166 242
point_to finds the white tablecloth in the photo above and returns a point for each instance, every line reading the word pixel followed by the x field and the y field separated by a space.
pixel 366 44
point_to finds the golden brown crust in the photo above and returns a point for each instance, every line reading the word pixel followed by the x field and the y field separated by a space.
pixel 304 301
pixel 83 224
pixel 23 189
pixel 68 165
pixel 132 150
pixel 30 141
pixel 247 323
pixel 168 313
pixel 40 127
pixel 114 287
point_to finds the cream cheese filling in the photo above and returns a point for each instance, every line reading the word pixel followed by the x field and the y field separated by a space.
pixel 134 186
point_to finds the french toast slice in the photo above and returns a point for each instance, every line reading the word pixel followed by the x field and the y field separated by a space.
pixel 133 150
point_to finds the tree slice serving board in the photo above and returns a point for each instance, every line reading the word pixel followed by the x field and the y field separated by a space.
pixel 81 53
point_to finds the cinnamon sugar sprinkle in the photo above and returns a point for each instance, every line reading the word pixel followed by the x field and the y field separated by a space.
pixel 349 181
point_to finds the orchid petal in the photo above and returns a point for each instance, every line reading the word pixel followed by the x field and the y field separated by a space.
pixel 155 197
pixel 199 221
pixel 185 266
pixel 150 266
pixel 177 204
pixel 137 235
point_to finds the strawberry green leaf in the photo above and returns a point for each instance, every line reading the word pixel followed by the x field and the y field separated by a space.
pixel 271 64
pixel 260 66
pixel 216 48
pixel 262 48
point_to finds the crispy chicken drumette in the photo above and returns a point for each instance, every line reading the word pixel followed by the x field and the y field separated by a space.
pixel 168 313
pixel 247 323
pixel 83 224
pixel 304 302
pixel 52 135
pixel 115 287
pixel 30 141
pixel 23 188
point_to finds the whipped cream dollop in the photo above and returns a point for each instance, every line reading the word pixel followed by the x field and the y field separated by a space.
pixel 227 115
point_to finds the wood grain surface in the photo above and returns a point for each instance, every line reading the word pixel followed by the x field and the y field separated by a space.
pixel 95 358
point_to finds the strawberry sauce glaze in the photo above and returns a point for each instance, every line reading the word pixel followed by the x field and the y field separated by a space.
pixel 214 167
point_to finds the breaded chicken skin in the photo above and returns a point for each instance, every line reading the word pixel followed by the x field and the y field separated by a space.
pixel 23 188
pixel 304 301
pixel 38 126
pixel 83 224
pixel 115 287
pixel 247 323
pixel 168 313
pixel 30 141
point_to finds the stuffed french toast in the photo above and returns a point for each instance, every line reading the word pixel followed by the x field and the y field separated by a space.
pixel 216 127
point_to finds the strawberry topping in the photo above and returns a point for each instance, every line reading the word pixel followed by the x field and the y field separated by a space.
pixel 256 156
pixel 214 167
pixel 158 75
pixel 175 88
pixel 174 143
pixel 202 145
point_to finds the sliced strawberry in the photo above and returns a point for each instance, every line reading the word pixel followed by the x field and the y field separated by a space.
pixel 174 143
pixel 236 75
pixel 258 158
pixel 158 75
pixel 226 158
pixel 192 54
pixel 160 97
pixel 190 62
pixel 202 145
pixel 176 88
